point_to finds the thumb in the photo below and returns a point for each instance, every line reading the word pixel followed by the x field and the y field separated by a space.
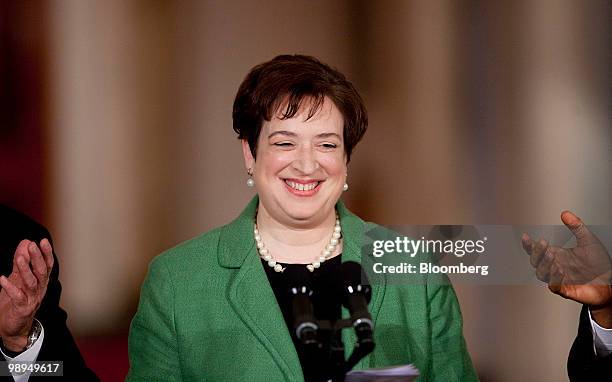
pixel 575 224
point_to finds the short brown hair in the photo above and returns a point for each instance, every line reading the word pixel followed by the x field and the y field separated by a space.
pixel 286 81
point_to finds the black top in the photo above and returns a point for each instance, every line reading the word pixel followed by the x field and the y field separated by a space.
pixel 583 365
pixel 58 344
pixel 325 282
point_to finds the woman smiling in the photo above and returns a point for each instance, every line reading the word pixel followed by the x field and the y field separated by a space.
pixel 216 307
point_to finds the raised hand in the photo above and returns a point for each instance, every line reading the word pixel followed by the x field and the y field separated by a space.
pixel 582 273
pixel 23 291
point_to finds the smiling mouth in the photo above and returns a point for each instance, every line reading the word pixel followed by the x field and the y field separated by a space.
pixel 302 186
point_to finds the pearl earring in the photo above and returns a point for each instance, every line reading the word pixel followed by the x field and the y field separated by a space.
pixel 250 182
pixel 345 187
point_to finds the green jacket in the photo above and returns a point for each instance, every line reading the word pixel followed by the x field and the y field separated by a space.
pixel 207 313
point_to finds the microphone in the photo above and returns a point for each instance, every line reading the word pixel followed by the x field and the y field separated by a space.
pixel 356 296
pixel 304 321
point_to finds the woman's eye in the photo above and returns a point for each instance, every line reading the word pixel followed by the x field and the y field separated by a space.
pixel 329 145
pixel 283 144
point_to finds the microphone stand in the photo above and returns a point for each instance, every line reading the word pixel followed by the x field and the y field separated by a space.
pixel 328 342
pixel 322 339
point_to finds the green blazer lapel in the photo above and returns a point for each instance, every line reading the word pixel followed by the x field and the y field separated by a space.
pixel 254 301
pixel 251 296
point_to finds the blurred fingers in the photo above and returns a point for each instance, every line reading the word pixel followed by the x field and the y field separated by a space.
pixel 39 265
pixel 48 252
pixel 27 277
pixel 544 265
pixel 538 252
pixel 14 293
pixel 527 243
pixel 556 279
pixel 21 251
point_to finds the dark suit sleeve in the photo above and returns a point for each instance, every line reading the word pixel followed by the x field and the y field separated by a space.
pixel 58 344
pixel 583 364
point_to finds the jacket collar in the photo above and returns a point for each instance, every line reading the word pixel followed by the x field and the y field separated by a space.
pixel 236 239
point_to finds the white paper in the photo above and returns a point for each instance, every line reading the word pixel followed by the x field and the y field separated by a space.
pixel 406 373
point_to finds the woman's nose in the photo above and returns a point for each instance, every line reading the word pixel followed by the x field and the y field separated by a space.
pixel 306 161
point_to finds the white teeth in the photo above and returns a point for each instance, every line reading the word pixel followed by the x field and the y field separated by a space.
pixel 302 187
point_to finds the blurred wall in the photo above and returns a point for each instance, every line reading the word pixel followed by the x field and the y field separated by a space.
pixel 23 105
pixel 480 113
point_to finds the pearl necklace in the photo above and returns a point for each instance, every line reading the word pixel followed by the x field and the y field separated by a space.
pixel 329 249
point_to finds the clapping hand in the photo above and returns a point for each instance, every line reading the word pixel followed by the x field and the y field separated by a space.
pixel 582 273
pixel 23 291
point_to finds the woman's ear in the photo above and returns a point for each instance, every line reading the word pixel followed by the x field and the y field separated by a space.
pixel 249 161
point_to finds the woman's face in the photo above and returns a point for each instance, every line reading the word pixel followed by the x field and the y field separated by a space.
pixel 301 165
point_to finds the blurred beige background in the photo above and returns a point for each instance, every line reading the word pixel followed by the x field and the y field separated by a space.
pixel 480 113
